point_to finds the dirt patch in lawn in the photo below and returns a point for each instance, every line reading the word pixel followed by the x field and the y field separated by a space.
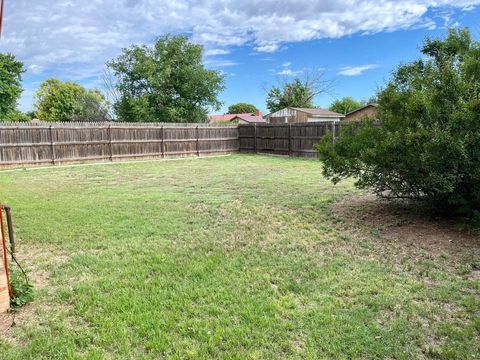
pixel 407 224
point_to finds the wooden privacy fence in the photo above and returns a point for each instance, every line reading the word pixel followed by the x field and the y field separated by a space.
pixel 23 144
pixel 285 139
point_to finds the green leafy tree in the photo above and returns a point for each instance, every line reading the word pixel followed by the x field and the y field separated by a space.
pixel 428 145
pixel 242 108
pixel 17 115
pixel 10 84
pixel 345 105
pixel 167 82
pixel 293 94
pixel 300 92
pixel 69 101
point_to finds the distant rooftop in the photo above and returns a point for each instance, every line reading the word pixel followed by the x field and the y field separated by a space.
pixel 251 118
pixel 375 105
pixel 230 117
pixel 318 112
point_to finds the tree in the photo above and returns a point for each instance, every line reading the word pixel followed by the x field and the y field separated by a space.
pixel 10 84
pixel 167 82
pixel 69 101
pixel 428 145
pixel 93 107
pixel 298 93
pixel 242 108
pixel 345 105
pixel 17 115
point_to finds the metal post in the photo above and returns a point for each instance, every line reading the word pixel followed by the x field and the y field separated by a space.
pixel 333 133
pixel 10 230
pixel 1 16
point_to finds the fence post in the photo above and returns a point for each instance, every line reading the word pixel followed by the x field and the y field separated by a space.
pixel 109 132
pixel 255 138
pixel 289 139
pixel 162 143
pixel 197 143
pixel 52 148
pixel 333 134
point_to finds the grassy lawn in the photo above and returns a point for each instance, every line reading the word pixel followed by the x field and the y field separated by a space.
pixel 233 257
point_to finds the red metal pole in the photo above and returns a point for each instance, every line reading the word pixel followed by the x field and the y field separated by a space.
pixel 1 17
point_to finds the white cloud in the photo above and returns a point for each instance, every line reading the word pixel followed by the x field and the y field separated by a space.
pixel 285 70
pixel 63 34
pixel 356 70
pixel 268 48
pixel 214 52
pixel 219 63
pixel 35 69
pixel 289 72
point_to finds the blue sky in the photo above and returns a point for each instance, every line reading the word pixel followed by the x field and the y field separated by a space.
pixel 355 43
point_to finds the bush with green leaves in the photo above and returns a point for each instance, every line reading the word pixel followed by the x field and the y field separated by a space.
pixel 69 101
pixel 428 144
pixel 17 115
pixel 345 105
pixel 21 287
pixel 242 108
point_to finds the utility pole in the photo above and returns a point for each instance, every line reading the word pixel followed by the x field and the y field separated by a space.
pixel 1 17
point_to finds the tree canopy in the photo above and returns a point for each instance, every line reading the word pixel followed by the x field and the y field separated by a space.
pixel 300 92
pixel 167 82
pixel 242 108
pixel 345 105
pixel 69 101
pixel 292 94
pixel 428 144
pixel 10 84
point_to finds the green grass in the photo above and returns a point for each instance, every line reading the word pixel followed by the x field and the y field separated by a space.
pixel 233 257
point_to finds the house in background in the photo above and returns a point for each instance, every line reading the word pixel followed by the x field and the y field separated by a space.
pixel 248 119
pixel 302 115
pixel 369 110
pixel 245 118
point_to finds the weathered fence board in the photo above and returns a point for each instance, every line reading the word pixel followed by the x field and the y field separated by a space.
pixel 52 143
pixel 285 139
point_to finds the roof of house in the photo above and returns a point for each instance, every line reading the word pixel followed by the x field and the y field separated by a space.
pixel 251 118
pixel 227 117
pixel 318 112
pixel 361 108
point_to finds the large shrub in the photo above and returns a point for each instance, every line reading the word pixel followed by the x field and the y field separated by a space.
pixel 69 101
pixel 428 144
